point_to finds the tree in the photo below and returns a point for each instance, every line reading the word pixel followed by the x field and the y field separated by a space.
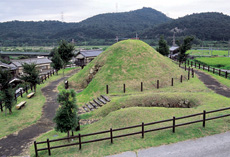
pixel 65 50
pixel 31 74
pixel 163 46
pixel 66 117
pixel 186 45
pixel 57 62
pixel 7 94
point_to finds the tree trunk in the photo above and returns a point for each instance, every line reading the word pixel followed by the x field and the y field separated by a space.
pixel 68 136
pixel 10 110
pixel 35 88
pixel 1 106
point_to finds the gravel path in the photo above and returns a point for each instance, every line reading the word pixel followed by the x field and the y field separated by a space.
pixel 18 144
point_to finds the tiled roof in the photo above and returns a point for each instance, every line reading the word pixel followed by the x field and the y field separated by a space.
pixel 37 61
pixel 173 48
pixel 90 53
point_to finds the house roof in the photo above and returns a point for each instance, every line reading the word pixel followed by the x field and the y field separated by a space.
pixel 37 61
pixel 4 65
pixel 94 53
pixel 25 53
pixel 173 48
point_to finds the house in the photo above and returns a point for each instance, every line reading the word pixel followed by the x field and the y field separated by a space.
pixel 42 64
pixel 174 50
pixel 84 57
pixel 8 67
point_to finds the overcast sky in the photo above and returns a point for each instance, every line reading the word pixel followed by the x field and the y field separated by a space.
pixel 78 10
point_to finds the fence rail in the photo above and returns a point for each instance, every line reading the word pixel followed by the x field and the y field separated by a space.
pixel 220 72
pixel 142 132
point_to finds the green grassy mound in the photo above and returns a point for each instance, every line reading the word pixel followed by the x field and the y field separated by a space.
pixel 127 62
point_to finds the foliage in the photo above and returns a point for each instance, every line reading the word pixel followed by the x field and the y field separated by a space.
pixel 186 45
pixel 65 51
pixel 31 74
pixel 103 26
pixel 7 94
pixel 66 118
pixel 163 46
pixel 57 62
pixel 205 26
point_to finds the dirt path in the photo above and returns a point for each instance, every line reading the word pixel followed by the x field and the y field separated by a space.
pixel 212 84
pixel 18 144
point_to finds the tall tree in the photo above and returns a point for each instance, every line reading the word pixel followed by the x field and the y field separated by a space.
pixel 163 47
pixel 57 62
pixel 7 94
pixel 186 45
pixel 65 51
pixel 31 74
pixel 66 117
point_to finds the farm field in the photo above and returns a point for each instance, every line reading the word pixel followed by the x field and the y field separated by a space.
pixel 218 62
pixel 207 52
pixel 135 107
pixel 29 114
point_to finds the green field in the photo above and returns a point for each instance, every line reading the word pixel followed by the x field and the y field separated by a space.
pixel 218 62
pixel 207 52
pixel 135 107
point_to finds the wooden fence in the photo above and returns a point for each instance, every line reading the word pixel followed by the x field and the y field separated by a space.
pixel 172 82
pixel 109 133
pixel 220 72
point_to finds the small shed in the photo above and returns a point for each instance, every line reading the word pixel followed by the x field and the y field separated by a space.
pixel 174 50
pixel 84 57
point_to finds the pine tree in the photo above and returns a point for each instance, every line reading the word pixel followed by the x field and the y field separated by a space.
pixel 185 46
pixel 57 62
pixel 163 47
pixel 66 117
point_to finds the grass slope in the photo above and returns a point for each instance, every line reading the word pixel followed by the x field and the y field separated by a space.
pixel 130 62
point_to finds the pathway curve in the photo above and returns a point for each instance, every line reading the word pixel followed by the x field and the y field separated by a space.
pixel 16 144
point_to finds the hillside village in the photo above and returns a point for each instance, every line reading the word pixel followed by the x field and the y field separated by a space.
pixel 154 93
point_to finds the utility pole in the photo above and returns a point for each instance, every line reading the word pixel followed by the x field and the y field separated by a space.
pixel 117 38
pixel 136 36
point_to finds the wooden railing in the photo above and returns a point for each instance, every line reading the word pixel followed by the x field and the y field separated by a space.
pixel 142 131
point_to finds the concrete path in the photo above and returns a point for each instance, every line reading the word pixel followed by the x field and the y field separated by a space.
pixel 18 144
pixel 209 146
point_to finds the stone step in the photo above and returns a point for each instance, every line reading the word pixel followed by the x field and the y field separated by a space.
pixel 106 98
pixel 89 106
pixel 85 108
pixel 91 103
pixel 102 100
pixel 97 102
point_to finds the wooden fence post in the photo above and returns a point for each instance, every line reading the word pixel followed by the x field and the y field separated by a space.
pixel 141 86
pixel 208 68
pixel 213 70
pixel 181 78
pixel 124 88
pixel 172 82
pixel 48 146
pixel 219 72
pixel 1 107
pixel 111 135
pixel 204 118
pixel 199 65
pixel 143 131
pixel 192 73
pixel 107 89
pixel 185 66
pixel 157 84
pixel 174 123
pixel 188 75
pixel 195 64
pixel 21 93
pixel 226 74
pixel 35 148
pixel 79 137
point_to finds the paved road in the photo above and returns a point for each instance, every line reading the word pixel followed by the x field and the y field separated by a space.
pixel 209 146
pixel 18 144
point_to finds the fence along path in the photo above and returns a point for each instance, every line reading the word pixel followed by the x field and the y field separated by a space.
pixel 109 133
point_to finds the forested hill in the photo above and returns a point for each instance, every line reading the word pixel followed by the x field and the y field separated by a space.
pixel 103 26
pixel 205 26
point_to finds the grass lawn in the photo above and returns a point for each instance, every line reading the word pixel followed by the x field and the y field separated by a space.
pixel 29 114
pixel 133 108
pixel 207 52
pixel 218 62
